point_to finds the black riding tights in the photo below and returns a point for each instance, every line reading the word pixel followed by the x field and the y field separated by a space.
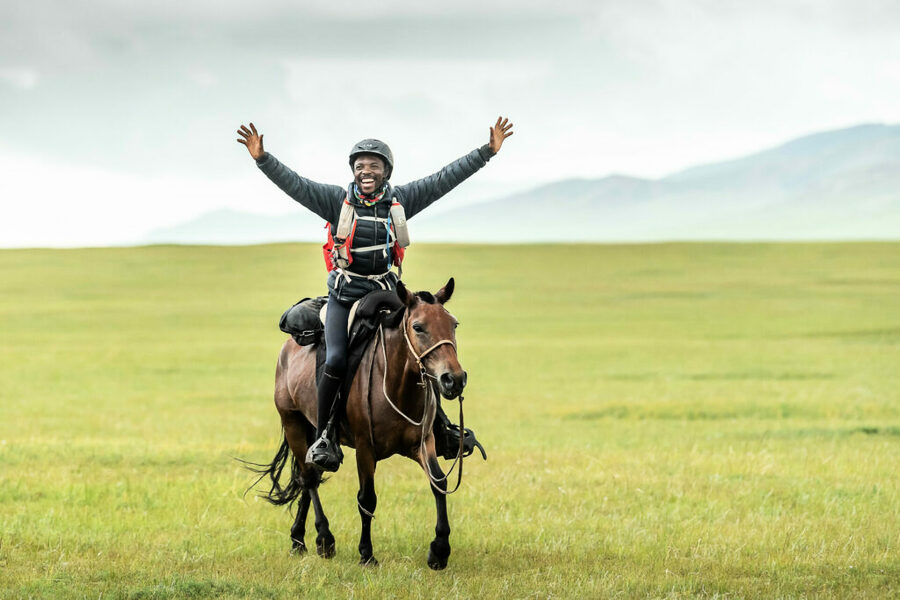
pixel 335 359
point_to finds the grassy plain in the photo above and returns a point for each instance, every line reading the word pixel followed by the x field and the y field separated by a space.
pixel 672 421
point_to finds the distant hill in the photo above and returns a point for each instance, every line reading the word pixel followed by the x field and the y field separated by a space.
pixel 228 227
pixel 842 184
pixel 835 185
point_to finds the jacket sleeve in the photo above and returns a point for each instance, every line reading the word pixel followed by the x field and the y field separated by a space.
pixel 322 199
pixel 418 195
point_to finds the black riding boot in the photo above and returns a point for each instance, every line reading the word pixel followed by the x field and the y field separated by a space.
pixel 325 452
pixel 446 437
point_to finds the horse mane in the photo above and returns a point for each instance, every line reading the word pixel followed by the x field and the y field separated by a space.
pixel 426 297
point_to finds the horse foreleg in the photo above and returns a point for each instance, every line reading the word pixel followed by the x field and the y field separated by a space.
pixel 439 551
pixel 367 500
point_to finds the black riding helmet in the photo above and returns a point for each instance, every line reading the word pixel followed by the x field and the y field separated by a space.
pixel 378 148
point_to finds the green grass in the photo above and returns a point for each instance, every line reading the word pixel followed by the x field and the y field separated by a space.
pixel 671 421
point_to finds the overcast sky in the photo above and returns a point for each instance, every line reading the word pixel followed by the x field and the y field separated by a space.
pixel 117 117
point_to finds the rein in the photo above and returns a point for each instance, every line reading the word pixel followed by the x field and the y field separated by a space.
pixel 430 407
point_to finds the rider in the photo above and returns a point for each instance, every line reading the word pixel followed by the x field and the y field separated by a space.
pixel 372 244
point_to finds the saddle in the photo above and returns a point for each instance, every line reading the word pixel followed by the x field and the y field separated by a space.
pixel 305 322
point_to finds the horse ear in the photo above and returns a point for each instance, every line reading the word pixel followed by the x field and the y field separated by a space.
pixel 445 292
pixel 405 297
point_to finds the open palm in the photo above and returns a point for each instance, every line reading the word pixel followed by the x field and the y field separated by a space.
pixel 253 141
pixel 501 130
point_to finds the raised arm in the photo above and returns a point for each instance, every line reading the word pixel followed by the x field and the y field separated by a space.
pixel 418 195
pixel 322 199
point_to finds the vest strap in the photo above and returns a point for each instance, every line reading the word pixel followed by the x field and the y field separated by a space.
pixel 371 248
pixel 378 278
pixel 383 247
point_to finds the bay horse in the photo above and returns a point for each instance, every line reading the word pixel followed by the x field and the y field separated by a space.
pixel 390 410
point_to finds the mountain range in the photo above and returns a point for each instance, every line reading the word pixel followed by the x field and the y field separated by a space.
pixel 834 185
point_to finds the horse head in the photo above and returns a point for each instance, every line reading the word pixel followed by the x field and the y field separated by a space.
pixel 430 332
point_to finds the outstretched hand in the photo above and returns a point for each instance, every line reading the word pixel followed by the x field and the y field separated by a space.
pixel 501 130
pixel 253 141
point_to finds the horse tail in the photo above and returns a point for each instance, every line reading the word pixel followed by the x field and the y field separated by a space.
pixel 278 494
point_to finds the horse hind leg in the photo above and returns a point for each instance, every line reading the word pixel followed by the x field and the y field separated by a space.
pixel 299 434
pixel 306 480
pixel 324 537
pixel 298 530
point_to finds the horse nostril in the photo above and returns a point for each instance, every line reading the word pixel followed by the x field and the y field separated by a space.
pixel 465 379
pixel 446 381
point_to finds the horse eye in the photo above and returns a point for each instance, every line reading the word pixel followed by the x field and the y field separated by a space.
pixel 418 328
pixel 455 325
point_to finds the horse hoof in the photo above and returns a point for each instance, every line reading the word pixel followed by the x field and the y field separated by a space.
pixel 438 553
pixel 298 548
pixel 325 548
pixel 368 562
pixel 436 562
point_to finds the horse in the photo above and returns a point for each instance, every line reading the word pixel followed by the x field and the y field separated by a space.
pixel 389 410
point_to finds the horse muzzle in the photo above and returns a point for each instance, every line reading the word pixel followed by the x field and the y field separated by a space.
pixel 452 384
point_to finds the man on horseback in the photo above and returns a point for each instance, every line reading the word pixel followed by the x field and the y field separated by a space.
pixel 366 238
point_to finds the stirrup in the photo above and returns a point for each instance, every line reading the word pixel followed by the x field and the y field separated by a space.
pixel 469 442
pixel 325 454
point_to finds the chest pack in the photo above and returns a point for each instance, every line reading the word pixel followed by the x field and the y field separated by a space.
pixel 338 249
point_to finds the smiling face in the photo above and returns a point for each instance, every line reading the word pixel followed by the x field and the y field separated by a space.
pixel 368 172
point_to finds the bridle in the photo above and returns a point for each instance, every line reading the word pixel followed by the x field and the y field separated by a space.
pixel 430 408
pixel 423 373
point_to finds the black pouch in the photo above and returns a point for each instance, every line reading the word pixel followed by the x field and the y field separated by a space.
pixel 302 321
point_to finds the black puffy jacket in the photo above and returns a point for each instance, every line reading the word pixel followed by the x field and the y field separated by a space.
pixel 325 200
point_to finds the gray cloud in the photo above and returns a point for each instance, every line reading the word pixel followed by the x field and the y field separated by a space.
pixel 159 87
pixel 143 88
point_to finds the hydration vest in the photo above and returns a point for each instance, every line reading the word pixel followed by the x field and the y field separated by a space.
pixel 338 250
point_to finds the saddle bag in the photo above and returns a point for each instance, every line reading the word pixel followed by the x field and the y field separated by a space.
pixel 301 321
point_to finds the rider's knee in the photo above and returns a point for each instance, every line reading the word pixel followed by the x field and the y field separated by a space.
pixel 336 366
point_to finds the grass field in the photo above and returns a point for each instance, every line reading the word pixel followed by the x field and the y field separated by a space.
pixel 671 421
